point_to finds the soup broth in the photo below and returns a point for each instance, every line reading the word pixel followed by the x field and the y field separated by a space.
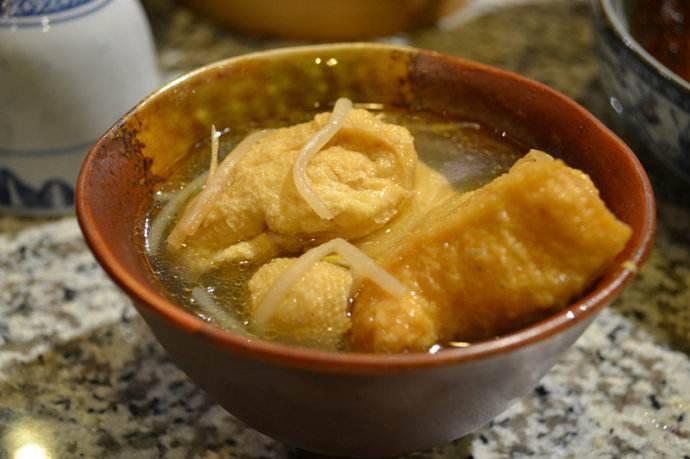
pixel 468 154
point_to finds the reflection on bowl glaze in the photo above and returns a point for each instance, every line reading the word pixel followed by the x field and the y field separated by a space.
pixel 653 101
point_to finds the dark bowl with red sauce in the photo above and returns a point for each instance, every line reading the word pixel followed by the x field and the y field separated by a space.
pixel 644 56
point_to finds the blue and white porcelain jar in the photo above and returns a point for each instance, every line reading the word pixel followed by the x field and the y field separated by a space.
pixel 68 70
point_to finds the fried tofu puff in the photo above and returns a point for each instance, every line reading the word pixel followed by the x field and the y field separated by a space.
pixel 314 312
pixel 489 261
pixel 252 211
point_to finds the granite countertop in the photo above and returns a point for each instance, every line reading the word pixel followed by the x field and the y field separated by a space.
pixel 81 375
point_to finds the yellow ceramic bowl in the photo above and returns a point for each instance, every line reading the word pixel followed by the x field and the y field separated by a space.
pixel 324 19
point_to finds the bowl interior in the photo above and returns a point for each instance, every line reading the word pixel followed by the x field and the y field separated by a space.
pixel 619 14
pixel 120 172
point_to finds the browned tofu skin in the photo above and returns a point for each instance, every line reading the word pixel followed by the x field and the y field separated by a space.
pixel 314 313
pixel 363 175
pixel 489 261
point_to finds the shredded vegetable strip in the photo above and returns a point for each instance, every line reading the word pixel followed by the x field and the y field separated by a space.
pixel 163 197
pixel 192 217
pixel 162 220
pixel 209 307
pixel 360 265
pixel 312 147
pixel 215 141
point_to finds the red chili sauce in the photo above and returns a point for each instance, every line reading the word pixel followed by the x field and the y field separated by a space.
pixel 663 28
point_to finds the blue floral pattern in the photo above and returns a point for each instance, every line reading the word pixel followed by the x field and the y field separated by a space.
pixel 19 14
pixel 25 8
pixel 14 193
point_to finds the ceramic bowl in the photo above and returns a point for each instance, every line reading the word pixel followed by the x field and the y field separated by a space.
pixel 324 19
pixel 351 404
pixel 653 102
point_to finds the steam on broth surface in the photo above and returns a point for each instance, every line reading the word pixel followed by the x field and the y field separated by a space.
pixel 301 281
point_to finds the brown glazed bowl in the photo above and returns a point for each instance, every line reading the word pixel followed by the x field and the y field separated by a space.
pixel 349 403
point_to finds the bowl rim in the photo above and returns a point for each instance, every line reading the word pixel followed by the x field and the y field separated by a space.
pixel 156 302
pixel 623 33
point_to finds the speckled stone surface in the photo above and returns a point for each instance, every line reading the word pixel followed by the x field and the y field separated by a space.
pixel 81 376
